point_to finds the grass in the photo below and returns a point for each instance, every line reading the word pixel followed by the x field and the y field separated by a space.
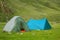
pixel 53 34
pixel 36 9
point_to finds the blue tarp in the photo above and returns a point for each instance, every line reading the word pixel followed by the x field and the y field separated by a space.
pixel 41 24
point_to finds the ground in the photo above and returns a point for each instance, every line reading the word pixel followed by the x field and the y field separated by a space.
pixel 53 34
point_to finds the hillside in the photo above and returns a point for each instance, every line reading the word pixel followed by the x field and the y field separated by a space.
pixel 36 9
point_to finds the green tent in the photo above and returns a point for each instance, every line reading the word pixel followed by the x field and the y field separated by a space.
pixel 16 24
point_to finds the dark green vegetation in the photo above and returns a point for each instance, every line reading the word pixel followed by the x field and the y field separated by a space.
pixel 53 34
pixel 34 9
pixel 5 11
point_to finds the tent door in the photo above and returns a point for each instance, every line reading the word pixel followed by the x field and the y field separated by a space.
pixel 22 28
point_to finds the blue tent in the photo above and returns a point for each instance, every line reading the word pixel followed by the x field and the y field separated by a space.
pixel 41 24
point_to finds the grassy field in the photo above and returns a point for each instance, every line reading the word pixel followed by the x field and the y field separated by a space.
pixel 35 9
pixel 53 34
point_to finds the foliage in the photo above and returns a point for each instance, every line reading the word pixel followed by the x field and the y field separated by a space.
pixel 5 11
pixel 35 9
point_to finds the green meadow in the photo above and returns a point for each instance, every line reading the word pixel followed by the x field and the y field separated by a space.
pixel 35 9
pixel 53 34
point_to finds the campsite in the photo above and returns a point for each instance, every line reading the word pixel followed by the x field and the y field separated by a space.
pixel 29 19
pixel 53 34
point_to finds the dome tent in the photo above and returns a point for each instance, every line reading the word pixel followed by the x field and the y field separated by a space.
pixel 41 24
pixel 16 24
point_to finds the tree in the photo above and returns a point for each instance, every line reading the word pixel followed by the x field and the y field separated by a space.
pixel 5 9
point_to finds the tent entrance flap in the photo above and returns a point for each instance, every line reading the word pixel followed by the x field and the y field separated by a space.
pixel 22 28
